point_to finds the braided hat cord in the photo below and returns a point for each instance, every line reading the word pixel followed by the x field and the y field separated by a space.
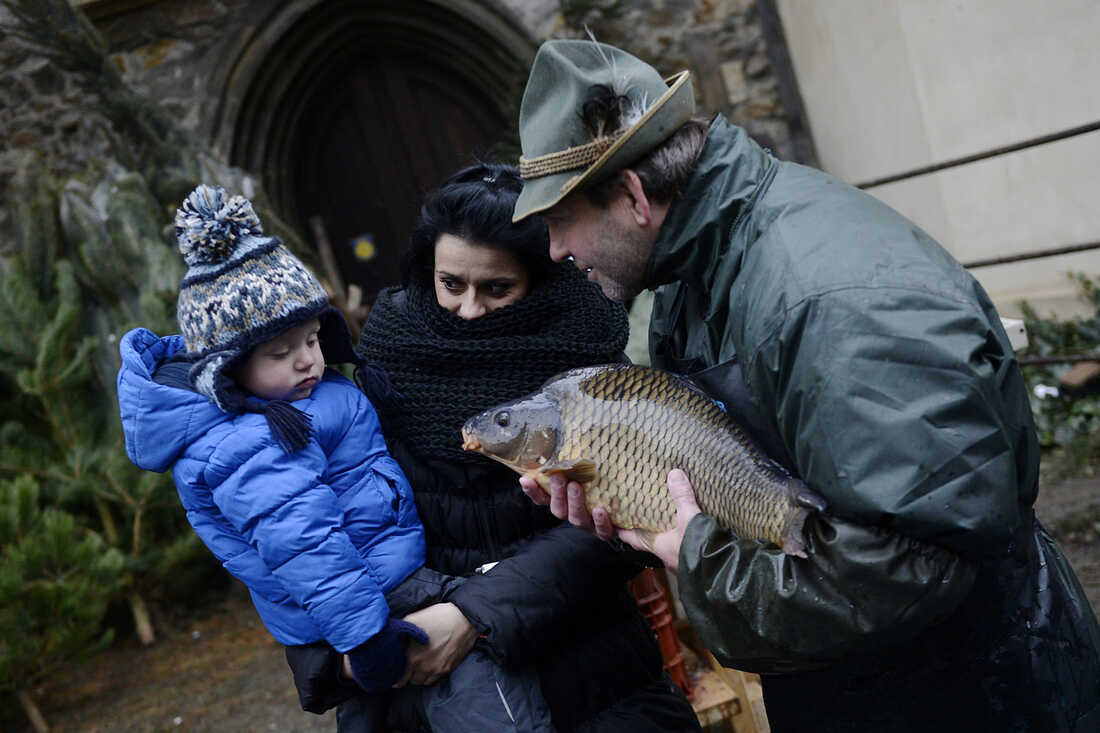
pixel 580 156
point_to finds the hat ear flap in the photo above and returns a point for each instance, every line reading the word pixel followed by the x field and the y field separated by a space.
pixel 336 343
pixel 290 427
pixel 208 377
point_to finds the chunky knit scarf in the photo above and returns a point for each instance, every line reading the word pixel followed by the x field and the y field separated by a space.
pixel 446 369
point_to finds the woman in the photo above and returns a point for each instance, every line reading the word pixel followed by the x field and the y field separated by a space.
pixel 484 316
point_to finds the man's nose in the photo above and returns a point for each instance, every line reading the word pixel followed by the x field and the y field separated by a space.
pixel 558 251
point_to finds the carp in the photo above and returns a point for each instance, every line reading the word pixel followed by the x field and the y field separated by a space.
pixel 618 430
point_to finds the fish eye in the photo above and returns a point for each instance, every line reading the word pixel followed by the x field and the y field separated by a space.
pixel 502 418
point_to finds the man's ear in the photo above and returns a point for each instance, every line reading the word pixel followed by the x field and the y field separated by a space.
pixel 636 198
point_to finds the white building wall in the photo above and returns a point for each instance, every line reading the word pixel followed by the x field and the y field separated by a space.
pixel 894 86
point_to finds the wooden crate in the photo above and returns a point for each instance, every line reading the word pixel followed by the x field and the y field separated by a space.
pixel 725 700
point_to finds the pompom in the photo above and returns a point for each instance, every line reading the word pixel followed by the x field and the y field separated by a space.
pixel 209 225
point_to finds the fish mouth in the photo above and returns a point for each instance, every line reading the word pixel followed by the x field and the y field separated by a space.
pixel 469 442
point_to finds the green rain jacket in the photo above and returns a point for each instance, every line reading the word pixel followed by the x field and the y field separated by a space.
pixel 876 368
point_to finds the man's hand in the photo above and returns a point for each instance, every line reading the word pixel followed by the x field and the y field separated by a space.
pixel 666 545
pixel 566 501
pixel 450 638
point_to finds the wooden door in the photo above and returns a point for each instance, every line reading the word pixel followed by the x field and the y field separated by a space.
pixel 380 137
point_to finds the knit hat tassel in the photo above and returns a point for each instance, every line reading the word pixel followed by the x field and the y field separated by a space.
pixel 290 426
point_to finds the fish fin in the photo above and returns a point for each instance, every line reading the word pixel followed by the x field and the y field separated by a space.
pixel 540 477
pixel 582 470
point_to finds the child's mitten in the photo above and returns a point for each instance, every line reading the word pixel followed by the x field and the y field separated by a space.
pixel 379 662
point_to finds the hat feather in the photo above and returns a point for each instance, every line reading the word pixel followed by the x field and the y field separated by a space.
pixel 608 108
pixel 209 224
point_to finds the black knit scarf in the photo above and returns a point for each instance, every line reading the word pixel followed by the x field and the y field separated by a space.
pixel 446 369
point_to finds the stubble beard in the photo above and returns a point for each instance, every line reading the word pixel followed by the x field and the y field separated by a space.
pixel 623 256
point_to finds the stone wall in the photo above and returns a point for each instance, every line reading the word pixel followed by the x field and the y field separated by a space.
pixel 49 119
pixel 723 43
pixel 179 53
pixel 45 113
pixel 183 55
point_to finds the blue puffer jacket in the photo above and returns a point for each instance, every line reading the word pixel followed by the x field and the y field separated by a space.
pixel 319 535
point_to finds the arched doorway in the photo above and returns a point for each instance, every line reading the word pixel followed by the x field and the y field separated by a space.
pixel 385 133
pixel 352 111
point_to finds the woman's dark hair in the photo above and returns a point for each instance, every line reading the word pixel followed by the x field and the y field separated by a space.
pixel 476 204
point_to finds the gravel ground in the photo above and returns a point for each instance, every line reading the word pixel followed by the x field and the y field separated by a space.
pixel 1070 511
pixel 220 671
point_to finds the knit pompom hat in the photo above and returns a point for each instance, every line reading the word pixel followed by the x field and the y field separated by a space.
pixel 241 289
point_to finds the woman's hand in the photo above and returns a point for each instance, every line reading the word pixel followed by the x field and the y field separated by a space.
pixel 450 638
pixel 566 501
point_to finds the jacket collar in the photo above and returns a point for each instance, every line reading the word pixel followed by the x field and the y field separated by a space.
pixel 731 172
pixel 158 421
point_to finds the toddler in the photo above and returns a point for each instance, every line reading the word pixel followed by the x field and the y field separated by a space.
pixel 282 468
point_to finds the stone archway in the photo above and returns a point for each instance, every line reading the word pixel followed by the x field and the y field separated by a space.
pixel 351 111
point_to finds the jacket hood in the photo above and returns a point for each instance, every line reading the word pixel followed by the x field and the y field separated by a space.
pixel 158 421
pixel 730 173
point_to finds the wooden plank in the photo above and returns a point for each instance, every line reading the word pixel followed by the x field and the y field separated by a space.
pixel 750 716
pixel 723 696
pixel 1080 375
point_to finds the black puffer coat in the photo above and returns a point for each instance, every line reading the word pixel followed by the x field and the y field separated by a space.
pixel 557 597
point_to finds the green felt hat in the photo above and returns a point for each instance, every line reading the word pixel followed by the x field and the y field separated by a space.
pixel 559 153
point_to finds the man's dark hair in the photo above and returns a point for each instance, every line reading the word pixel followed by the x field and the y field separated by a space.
pixel 476 204
pixel 663 171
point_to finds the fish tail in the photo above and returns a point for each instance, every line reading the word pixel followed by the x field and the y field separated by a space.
pixel 806 497
pixel 794 541
pixel 805 501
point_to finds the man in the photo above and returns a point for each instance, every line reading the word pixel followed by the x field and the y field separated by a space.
pixel 866 360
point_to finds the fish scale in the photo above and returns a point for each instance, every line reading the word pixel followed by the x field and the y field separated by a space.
pixel 620 429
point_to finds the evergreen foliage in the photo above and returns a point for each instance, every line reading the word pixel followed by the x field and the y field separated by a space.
pixel 92 256
pixel 109 267
pixel 67 432
pixel 1068 425
pixel 56 579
